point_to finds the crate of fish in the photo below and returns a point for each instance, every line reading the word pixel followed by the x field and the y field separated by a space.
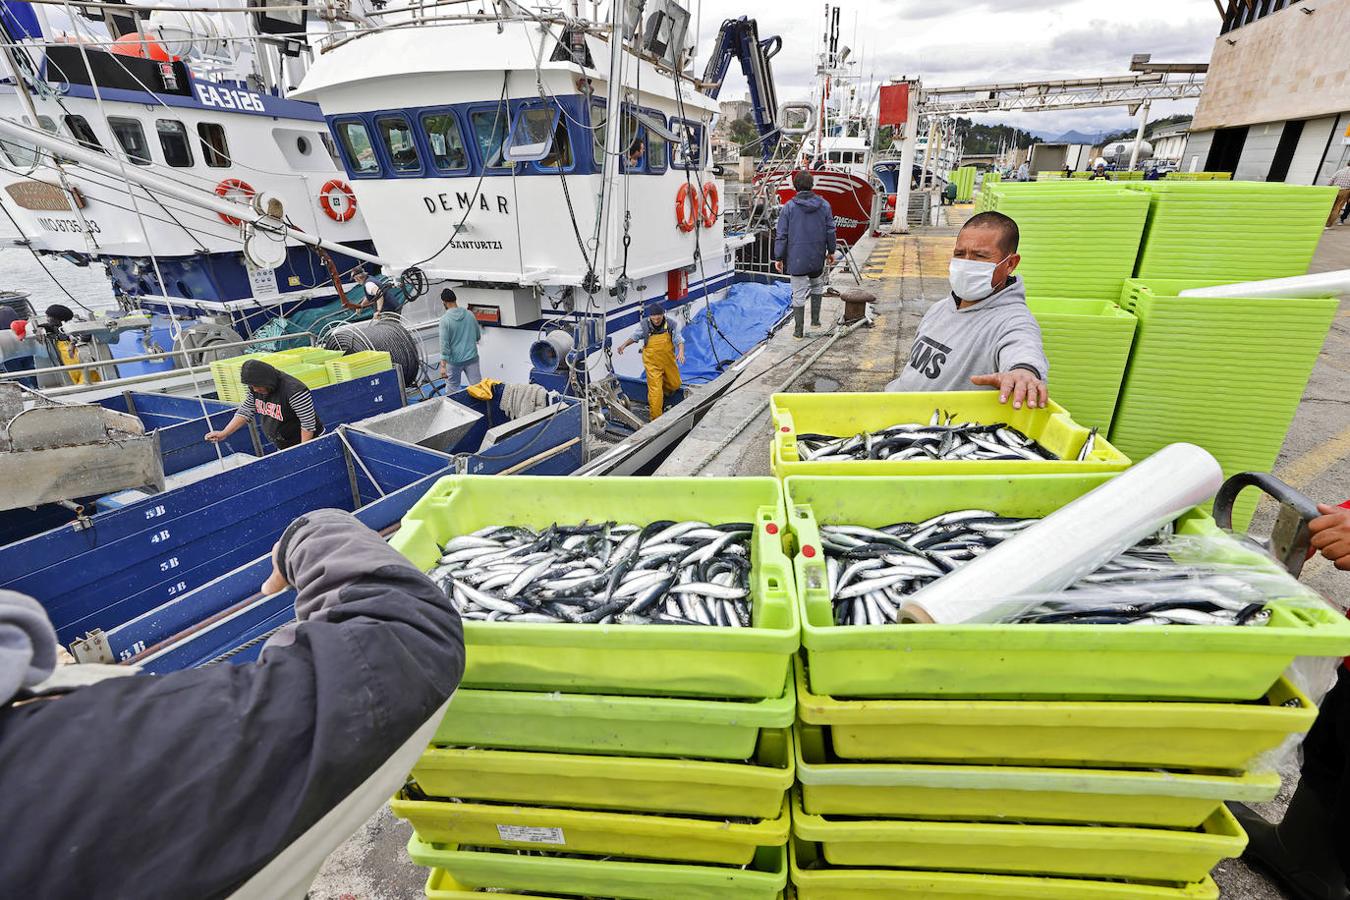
pixel 728 841
pixel 547 871
pixel 698 728
pixel 833 786
pixel 1072 851
pixel 813 879
pixel 649 586
pixel 863 545
pixel 752 788
pixel 1121 734
pixel 930 434
pixel 1087 343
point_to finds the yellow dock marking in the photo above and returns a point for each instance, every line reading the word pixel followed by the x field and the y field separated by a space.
pixel 912 256
pixel 1302 470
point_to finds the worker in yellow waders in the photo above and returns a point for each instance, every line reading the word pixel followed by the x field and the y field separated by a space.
pixel 662 355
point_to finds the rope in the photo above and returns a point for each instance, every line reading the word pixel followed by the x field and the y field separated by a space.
pixel 252 642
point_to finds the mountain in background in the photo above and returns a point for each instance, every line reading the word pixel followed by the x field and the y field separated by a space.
pixel 1157 126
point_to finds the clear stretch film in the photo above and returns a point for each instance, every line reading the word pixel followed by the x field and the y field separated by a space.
pixel 1075 540
pixel 1319 284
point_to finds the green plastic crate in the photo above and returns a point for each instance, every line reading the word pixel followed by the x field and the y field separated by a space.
pixel 1179 387
pixel 1155 799
pixel 1119 734
pixel 849 414
pixel 593 832
pixel 671 660
pixel 752 789
pixel 763 879
pixel 1087 343
pixel 616 725
pixel 1026 661
pixel 815 881
pixel 1075 851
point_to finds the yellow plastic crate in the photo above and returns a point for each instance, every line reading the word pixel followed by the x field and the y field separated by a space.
pixel 1151 798
pixel 441 885
pixel 850 414
pixel 591 832
pixel 1074 851
pixel 813 881
pixel 1119 734
pixel 752 789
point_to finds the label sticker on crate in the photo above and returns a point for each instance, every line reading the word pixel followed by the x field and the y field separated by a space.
pixel 529 835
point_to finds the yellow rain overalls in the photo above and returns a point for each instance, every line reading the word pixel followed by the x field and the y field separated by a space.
pixel 663 375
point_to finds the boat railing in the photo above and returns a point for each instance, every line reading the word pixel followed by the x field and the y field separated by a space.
pixel 185 354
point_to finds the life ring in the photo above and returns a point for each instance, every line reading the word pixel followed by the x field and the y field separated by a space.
pixel 686 208
pixel 233 185
pixel 326 201
pixel 711 205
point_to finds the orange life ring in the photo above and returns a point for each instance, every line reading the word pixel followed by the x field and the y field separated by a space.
pixel 235 185
pixel 686 208
pixel 711 205
pixel 325 200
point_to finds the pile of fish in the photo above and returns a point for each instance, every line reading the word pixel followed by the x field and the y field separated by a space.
pixel 940 439
pixel 666 573
pixel 872 570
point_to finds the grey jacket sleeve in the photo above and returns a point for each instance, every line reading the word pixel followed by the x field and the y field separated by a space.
pixel 1020 347
pixel 185 785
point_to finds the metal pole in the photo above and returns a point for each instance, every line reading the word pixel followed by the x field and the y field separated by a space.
pixel 105 363
pixel 907 149
pixel 1139 135
pixel 159 184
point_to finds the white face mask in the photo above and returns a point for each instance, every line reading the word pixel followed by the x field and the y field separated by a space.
pixel 971 279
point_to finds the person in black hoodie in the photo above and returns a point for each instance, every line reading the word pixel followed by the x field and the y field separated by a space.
pixel 285 406
pixel 188 784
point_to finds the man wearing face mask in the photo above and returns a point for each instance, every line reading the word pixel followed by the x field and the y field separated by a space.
pixel 981 334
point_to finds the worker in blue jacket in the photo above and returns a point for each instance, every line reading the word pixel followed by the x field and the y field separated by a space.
pixel 188 784
pixel 804 248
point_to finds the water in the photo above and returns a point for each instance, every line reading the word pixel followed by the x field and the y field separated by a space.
pixel 19 271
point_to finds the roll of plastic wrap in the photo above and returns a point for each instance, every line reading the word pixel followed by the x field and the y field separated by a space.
pixel 1316 285
pixel 1075 540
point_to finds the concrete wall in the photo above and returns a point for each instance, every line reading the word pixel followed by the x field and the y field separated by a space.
pixel 1258 152
pixel 1197 148
pixel 1289 65
pixel 1312 144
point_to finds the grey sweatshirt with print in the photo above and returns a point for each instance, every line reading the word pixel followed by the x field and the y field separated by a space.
pixel 995 335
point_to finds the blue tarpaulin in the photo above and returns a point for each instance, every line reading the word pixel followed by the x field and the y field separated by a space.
pixel 742 320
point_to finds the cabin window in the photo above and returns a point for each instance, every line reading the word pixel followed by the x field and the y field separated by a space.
pixel 215 150
pixel 82 132
pixel 448 153
pixel 532 134
pixel 131 138
pixel 656 147
pixel 688 153
pixel 560 157
pixel 598 134
pixel 358 149
pixel 397 136
pixel 173 140
pixel 633 147
pixel 489 130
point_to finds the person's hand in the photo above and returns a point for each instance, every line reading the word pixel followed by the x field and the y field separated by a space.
pixel 1331 534
pixel 276 582
pixel 622 347
pixel 778 266
pixel 445 371
pixel 1019 384
pixel 830 259
pixel 679 355
pixel 215 436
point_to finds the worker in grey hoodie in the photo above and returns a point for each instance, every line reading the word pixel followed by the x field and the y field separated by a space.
pixel 804 247
pixel 981 334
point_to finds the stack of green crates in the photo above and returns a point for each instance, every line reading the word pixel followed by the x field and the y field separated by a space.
pixel 1231 230
pixel 964 179
pixel 356 365
pixel 1199 176
pixel 1079 239
pixel 1045 761
pixel 645 762
pixel 1087 343
pixel 305 363
pixel 1225 374
pixel 225 373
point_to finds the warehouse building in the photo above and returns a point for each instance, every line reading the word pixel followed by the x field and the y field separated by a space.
pixel 1276 105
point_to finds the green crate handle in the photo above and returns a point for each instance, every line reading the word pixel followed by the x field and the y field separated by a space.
pixel 787 445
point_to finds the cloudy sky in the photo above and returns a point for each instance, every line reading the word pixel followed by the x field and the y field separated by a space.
pixel 946 42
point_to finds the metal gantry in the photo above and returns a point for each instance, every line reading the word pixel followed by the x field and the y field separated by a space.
pixel 1075 93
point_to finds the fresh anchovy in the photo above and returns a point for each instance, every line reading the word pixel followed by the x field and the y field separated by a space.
pixel 664 573
pixel 940 439
pixel 869 572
